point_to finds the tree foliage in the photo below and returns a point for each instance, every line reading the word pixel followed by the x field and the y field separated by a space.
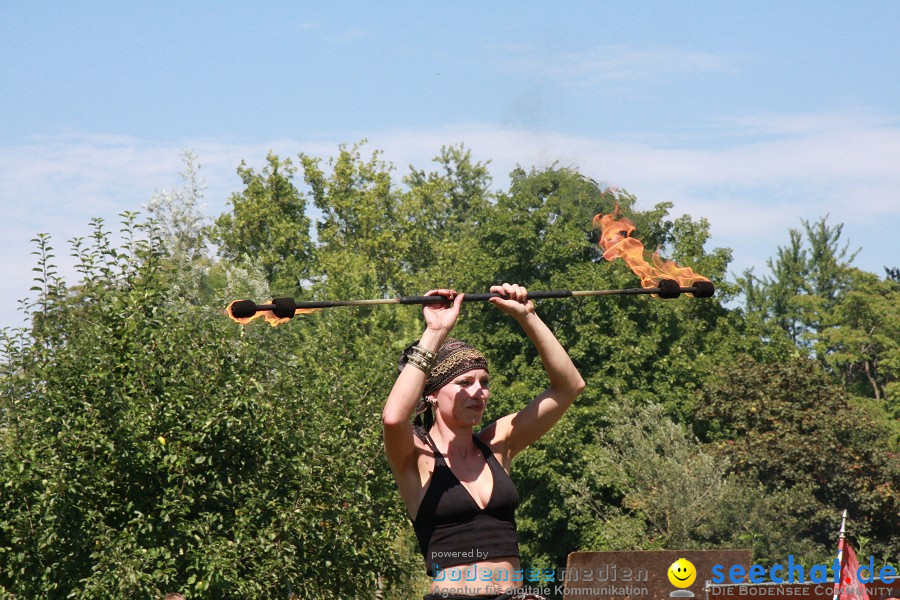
pixel 787 426
pixel 151 445
pixel 844 317
pixel 268 224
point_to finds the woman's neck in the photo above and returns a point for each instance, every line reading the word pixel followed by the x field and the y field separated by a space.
pixel 457 440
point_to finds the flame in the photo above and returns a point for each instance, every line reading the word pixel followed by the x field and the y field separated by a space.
pixel 616 242
pixel 267 315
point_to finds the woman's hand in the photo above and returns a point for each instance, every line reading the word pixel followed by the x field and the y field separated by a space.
pixel 513 301
pixel 442 317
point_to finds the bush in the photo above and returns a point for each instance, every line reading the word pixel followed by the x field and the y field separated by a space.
pixel 149 444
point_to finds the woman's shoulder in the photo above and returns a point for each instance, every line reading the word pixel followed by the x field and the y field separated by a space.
pixel 494 436
pixel 487 433
pixel 495 432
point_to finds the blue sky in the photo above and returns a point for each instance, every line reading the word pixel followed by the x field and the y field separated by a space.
pixel 752 115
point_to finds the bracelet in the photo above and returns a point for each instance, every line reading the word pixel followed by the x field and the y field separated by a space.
pixel 424 353
pixel 421 358
pixel 419 363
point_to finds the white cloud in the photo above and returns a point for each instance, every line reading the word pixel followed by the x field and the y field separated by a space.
pixel 827 167
pixel 751 188
pixel 613 63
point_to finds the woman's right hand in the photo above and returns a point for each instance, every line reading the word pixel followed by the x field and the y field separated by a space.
pixel 442 317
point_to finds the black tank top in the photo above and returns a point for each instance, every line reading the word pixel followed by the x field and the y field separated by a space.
pixel 452 529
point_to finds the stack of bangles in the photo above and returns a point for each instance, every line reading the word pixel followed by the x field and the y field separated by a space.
pixel 421 358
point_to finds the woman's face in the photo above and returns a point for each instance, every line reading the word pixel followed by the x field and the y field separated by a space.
pixel 463 399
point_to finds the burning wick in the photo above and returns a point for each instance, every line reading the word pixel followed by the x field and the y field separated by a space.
pixel 616 242
pixel 244 311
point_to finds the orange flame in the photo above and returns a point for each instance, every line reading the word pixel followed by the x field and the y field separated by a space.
pixel 616 242
pixel 267 315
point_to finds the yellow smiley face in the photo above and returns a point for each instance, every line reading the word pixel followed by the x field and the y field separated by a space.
pixel 682 573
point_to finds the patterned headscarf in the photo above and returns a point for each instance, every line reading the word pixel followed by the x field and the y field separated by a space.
pixel 454 358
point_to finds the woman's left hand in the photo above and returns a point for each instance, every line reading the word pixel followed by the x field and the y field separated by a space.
pixel 513 301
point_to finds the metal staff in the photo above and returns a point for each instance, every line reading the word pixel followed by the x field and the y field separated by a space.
pixel 285 308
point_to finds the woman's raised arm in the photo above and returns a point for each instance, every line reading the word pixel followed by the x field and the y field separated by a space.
pixel 407 391
pixel 518 431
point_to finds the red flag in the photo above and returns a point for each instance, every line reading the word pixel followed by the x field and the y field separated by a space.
pixel 851 587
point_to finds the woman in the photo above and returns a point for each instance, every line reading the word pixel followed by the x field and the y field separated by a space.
pixel 455 483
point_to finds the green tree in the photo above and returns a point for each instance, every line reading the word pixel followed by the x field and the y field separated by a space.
pixel 268 224
pixel 841 315
pixel 149 444
pixel 358 233
pixel 861 338
pixel 177 213
pixel 184 233
pixel 808 277
pixel 649 484
pixel 441 214
pixel 787 426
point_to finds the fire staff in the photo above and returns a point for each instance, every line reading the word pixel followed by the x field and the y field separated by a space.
pixel 455 482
